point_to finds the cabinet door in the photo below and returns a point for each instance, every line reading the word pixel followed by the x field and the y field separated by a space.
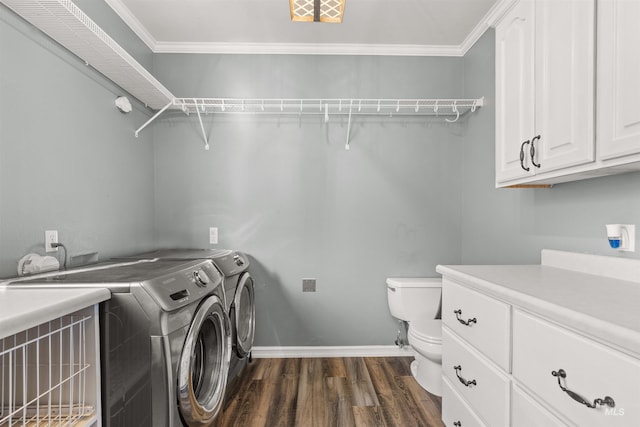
pixel 564 68
pixel 484 387
pixel 455 411
pixel 618 78
pixel 514 90
pixel 482 321
pixel 526 412
pixel 590 371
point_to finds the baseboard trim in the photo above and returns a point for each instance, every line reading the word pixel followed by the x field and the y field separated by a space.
pixel 263 352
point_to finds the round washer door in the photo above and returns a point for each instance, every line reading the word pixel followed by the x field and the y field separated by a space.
pixel 204 364
pixel 244 312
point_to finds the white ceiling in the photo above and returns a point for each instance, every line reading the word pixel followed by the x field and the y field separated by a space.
pixel 390 27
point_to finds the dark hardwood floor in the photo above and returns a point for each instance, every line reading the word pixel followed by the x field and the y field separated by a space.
pixel 318 392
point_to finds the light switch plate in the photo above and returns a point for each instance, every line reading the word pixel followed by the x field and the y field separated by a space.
pixel 213 235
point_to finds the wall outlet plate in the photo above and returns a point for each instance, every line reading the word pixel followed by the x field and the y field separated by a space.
pixel 50 236
pixel 308 285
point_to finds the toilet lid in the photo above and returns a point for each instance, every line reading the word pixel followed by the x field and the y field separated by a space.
pixel 429 330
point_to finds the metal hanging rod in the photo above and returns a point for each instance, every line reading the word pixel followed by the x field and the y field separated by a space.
pixel 449 109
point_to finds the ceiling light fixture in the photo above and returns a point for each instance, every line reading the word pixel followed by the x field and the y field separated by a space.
pixel 317 10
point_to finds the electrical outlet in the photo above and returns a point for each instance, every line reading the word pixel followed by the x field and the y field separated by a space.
pixel 308 285
pixel 50 236
pixel 213 235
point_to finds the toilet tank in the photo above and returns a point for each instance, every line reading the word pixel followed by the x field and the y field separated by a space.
pixel 413 297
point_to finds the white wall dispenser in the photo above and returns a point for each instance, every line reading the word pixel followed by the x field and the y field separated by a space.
pixel 622 237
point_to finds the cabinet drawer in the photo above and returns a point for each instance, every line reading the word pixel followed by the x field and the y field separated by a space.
pixel 490 332
pixel 526 412
pixel 455 409
pixel 592 370
pixel 489 396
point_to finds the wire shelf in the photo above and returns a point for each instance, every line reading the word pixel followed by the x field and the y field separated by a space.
pixel 43 374
pixel 384 107
pixel 449 109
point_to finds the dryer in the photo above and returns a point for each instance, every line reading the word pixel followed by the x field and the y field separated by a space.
pixel 165 340
pixel 240 297
pixel 240 292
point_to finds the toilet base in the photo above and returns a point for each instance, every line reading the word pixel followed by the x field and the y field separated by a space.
pixel 428 374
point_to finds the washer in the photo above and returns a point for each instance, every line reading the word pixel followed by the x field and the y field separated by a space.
pixel 240 298
pixel 165 340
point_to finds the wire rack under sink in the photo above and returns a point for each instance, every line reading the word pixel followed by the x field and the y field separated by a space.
pixel 47 374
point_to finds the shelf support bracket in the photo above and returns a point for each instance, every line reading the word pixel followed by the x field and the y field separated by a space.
pixel 204 134
pixel 155 116
pixel 346 147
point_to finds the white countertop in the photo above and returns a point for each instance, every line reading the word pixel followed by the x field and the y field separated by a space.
pixel 605 308
pixel 21 308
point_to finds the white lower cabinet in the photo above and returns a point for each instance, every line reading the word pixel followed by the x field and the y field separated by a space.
pixel 526 412
pixel 455 411
pixel 478 381
pixel 601 385
pixel 556 376
pixel 480 320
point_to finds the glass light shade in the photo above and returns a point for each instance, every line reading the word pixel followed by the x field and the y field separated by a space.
pixel 327 10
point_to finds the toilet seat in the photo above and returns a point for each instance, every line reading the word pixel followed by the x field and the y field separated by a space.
pixel 427 330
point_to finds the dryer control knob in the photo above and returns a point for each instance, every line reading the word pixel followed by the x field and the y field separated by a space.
pixel 201 277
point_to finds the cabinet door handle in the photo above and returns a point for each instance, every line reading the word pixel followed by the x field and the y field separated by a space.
pixel 467 322
pixel 533 151
pixel 457 424
pixel 522 155
pixel 608 401
pixel 462 380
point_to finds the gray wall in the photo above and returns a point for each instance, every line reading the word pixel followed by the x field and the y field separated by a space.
pixel 68 158
pixel 512 225
pixel 288 193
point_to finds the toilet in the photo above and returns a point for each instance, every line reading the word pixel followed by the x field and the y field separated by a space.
pixel 417 302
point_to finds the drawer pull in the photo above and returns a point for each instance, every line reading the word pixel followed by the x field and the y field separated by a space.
pixel 462 380
pixel 464 322
pixel 608 401
pixel 457 424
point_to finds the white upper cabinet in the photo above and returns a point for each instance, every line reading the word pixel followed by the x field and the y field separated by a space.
pixel 515 95
pixel 565 62
pixel 545 60
pixel 618 78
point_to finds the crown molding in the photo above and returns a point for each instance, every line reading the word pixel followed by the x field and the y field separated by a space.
pixel 489 20
pixel 136 26
pixel 309 49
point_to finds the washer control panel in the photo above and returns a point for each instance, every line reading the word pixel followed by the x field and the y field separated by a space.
pixel 231 262
pixel 189 282
pixel 201 278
